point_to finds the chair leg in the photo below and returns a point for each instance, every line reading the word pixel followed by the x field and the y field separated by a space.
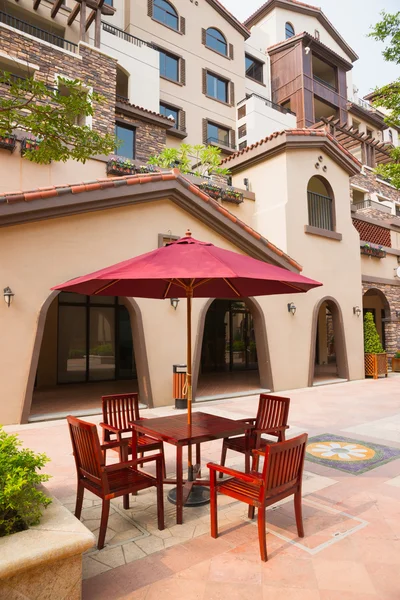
pixel 247 462
pixel 223 458
pixel 213 506
pixel 160 506
pixel 163 461
pixel 299 514
pixel 103 523
pixel 79 500
pixel 262 533
pixel 250 514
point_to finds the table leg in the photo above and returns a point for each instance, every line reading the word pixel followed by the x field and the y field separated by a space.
pixel 198 459
pixel 179 486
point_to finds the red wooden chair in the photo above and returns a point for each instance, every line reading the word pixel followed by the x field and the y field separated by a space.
pixel 271 419
pixel 111 481
pixel 281 477
pixel 118 411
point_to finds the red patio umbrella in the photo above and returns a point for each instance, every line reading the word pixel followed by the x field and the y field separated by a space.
pixel 188 268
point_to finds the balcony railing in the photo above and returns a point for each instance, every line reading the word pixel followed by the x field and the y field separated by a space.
pixel 371 204
pixel 278 107
pixel 41 34
pixel 213 140
pixel 323 82
pixel 320 212
pixel 128 37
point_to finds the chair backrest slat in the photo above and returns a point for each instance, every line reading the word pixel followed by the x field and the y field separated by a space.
pixel 273 411
pixel 284 462
pixel 119 409
pixel 88 456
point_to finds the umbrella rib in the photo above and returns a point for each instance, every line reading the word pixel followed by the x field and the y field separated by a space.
pixel 167 290
pixel 201 283
pixel 106 286
pixel 291 285
pixel 232 287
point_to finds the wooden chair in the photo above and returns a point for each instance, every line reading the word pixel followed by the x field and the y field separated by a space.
pixel 271 419
pixel 118 411
pixel 281 477
pixel 111 481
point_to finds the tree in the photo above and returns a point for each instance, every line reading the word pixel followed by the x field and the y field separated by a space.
pixel 199 160
pixel 55 116
pixel 388 96
pixel 372 341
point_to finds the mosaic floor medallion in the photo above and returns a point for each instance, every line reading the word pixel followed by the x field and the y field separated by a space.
pixel 348 455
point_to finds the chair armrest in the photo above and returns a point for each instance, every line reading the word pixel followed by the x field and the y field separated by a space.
pixel 114 429
pixel 132 463
pixel 249 421
pixel 237 474
pixel 116 444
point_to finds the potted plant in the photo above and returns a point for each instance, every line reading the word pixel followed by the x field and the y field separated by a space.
pixel 8 142
pixel 21 500
pixel 117 165
pixel 215 191
pixel 372 250
pixel 375 358
pixel 396 362
pixel 29 144
pixel 231 195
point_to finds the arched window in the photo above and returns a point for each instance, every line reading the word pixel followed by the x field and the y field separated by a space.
pixel 289 30
pixel 166 14
pixel 320 204
pixel 216 41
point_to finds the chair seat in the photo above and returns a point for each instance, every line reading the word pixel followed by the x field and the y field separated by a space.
pixel 149 442
pixel 233 487
pixel 239 443
pixel 127 478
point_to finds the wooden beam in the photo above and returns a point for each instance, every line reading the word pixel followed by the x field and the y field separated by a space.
pixel 56 7
pixel 74 14
pixel 36 4
pixel 90 19
pixel 97 29
pixel 82 34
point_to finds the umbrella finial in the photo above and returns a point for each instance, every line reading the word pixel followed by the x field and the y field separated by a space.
pixel 188 233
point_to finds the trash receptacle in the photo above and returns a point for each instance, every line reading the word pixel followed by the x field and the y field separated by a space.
pixel 179 388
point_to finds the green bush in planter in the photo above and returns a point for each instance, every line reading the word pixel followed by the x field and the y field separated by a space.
pixel 21 501
pixel 372 341
pixel 397 354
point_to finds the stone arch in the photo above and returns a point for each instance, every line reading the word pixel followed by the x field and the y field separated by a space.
pixel 142 367
pixel 375 299
pixel 340 338
pixel 264 362
pixel 122 83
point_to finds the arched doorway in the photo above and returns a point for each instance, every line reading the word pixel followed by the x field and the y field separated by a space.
pixel 328 347
pixel 86 349
pixel 320 198
pixel 232 357
pixel 375 302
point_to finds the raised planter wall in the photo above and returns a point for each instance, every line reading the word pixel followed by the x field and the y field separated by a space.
pixel 46 560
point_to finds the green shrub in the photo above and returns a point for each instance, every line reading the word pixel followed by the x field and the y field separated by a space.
pixel 397 354
pixel 238 346
pixel 76 353
pixel 102 350
pixel 20 501
pixel 372 341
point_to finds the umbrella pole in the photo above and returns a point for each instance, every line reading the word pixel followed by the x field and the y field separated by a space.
pixel 189 375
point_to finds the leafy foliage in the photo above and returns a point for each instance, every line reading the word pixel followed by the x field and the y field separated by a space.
pixel 53 115
pixel 388 96
pixel 372 341
pixel 200 160
pixel 20 501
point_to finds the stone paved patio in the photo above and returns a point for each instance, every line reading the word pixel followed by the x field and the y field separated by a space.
pixel 351 550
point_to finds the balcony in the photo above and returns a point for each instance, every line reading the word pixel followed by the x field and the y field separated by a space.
pixel 41 34
pixel 223 144
pixel 268 103
pixel 371 204
pixel 125 36
pixel 325 83
pixel 320 212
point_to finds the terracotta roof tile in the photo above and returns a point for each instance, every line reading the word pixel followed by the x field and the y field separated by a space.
pixel 145 110
pixel 174 174
pixel 259 10
pixel 298 36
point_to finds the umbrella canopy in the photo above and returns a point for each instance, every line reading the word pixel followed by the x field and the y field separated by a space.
pixel 209 271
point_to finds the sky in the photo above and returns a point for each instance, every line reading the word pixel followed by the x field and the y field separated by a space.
pixel 352 18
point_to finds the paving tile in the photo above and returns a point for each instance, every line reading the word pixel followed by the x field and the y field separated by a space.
pixel 111 557
pixel 228 567
pixel 175 588
pixel 385 577
pixel 282 571
pixel 290 594
pixel 343 576
pixel 132 552
pixel 150 544
pixel 216 590
pixel 92 567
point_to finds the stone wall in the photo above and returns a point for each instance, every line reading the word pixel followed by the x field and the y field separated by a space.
pixel 392 324
pixel 369 181
pixel 93 68
pixel 150 137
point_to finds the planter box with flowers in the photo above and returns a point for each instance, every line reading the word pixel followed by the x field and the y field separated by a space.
pixel 231 195
pixel 214 191
pixel 29 144
pixel 7 142
pixel 123 166
pixel 373 250
pixel 39 553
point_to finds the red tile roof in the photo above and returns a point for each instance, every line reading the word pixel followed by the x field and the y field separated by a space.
pixel 222 9
pixel 120 100
pixel 259 10
pixel 306 34
pixel 113 182
pixel 305 132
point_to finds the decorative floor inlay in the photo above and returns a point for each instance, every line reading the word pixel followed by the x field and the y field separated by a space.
pixel 348 455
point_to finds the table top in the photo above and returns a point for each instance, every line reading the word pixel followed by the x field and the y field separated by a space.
pixel 175 429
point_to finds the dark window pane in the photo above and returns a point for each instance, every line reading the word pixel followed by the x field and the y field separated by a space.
pixel 216 41
pixel 127 136
pixel 102 344
pixel 169 66
pixel 71 298
pixel 165 13
pixel 217 134
pixel 289 30
pixel 169 111
pixel 71 344
pixel 254 68
pixel 217 87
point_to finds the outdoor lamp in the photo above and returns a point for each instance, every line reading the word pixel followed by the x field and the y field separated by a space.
pixel 8 296
pixel 291 308
pixel 357 310
pixel 174 302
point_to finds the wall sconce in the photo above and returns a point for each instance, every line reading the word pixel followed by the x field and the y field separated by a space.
pixel 291 308
pixel 174 302
pixel 8 296
pixel 356 311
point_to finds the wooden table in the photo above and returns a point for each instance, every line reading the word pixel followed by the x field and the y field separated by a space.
pixel 175 430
